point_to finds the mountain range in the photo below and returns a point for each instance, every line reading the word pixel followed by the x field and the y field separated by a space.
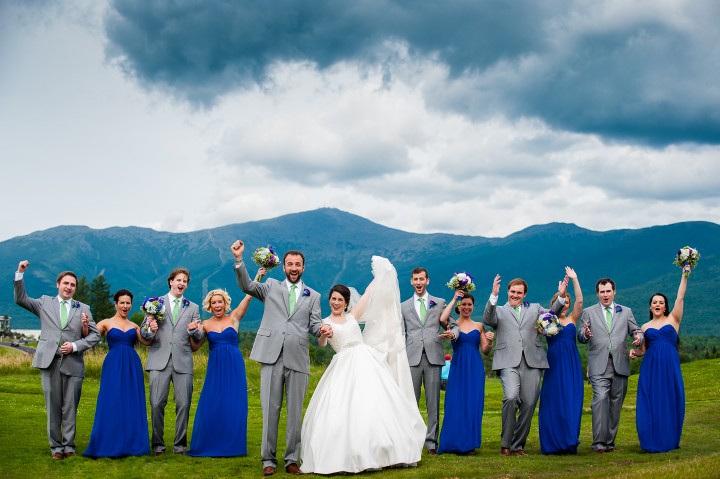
pixel 338 247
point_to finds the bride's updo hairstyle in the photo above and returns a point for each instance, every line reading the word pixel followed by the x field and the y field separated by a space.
pixel 343 291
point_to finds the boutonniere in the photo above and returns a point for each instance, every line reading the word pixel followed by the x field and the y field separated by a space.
pixel 306 292
pixel 185 302
pixel 75 304
pixel 526 304
pixel 431 304
pixel 618 308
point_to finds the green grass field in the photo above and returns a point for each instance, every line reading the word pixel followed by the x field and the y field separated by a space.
pixel 26 452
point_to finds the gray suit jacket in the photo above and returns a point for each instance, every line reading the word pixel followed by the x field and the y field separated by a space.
pixel 419 337
pixel 172 339
pixel 279 330
pixel 513 337
pixel 52 336
pixel 624 325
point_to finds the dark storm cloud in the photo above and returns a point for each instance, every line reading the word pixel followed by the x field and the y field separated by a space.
pixel 645 78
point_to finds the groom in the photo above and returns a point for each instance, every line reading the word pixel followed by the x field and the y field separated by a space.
pixel 604 327
pixel 421 320
pixel 170 360
pixel 292 311
pixel 59 355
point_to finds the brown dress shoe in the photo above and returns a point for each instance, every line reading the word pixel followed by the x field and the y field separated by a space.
pixel 432 452
pixel 58 455
pixel 293 469
pixel 520 452
pixel 159 453
pixel 609 449
pixel 600 451
pixel 268 471
pixel 70 454
pixel 504 451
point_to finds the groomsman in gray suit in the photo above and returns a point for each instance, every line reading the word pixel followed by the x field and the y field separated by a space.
pixel 423 335
pixel 292 311
pixel 170 360
pixel 519 359
pixel 604 326
pixel 59 355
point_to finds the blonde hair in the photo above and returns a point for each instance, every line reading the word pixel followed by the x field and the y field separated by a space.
pixel 216 292
pixel 568 299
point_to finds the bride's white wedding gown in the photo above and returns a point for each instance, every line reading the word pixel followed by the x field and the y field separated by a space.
pixel 363 414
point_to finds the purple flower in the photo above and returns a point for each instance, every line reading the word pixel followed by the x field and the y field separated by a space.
pixel 431 304
pixel 306 292
pixel 618 308
pixel 185 302
pixel 526 304
pixel 75 304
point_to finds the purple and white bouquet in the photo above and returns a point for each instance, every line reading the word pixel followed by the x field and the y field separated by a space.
pixel 154 306
pixel 265 257
pixel 687 256
pixel 547 323
pixel 462 281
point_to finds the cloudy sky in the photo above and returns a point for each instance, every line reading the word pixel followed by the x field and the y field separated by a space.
pixel 458 116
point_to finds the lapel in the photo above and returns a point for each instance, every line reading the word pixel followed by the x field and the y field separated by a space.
pixel 71 313
pixel 168 311
pixel 511 310
pixel 55 316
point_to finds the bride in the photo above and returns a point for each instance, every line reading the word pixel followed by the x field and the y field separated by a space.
pixel 363 414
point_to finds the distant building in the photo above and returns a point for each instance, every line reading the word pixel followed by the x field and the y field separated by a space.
pixel 5 324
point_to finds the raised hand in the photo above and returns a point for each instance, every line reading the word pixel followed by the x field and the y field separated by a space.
pixel 570 273
pixel 260 274
pixel 152 324
pixel 23 265
pixel 237 248
pixel 562 286
pixel 496 285
pixel 459 294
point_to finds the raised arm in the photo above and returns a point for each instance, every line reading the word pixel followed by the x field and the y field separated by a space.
pixel 578 307
pixel 359 309
pixel 238 313
pixel 445 315
pixel 677 311
pixel 254 288
pixel 490 314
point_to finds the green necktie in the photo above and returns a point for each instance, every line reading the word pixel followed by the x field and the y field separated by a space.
pixel 292 299
pixel 517 313
pixel 608 320
pixel 63 314
pixel 176 311
pixel 608 317
pixel 423 311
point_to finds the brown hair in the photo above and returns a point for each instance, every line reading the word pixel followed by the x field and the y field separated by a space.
pixel 518 281
pixel 418 271
pixel 176 272
pixel 294 252
pixel 67 273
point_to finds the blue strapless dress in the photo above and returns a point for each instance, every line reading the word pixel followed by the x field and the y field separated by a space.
pixel 660 405
pixel 464 397
pixel 561 396
pixel 121 427
pixel 220 427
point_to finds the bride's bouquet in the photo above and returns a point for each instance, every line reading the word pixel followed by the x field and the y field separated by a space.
pixel 547 323
pixel 687 256
pixel 462 281
pixel 154 306
pixel 265 257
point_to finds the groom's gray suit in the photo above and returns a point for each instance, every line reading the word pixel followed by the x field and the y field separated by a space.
pixel 283 350
pixel 170 359
pixel 519 360
pixel 61 375
pixel 426 357
pixel 608 371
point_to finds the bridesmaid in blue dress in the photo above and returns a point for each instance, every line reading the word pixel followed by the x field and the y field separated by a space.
pixel 561 396
pixel 660 404
pixel 465 391
pixel 120 428
pixel 220 426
